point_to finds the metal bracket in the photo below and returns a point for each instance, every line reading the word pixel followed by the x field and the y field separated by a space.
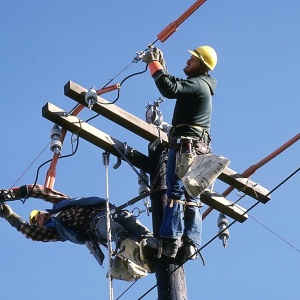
pixel 118 163
pixel 153 145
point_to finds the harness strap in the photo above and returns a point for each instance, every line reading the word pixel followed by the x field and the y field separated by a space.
pixel 193 204
pixel 172 201
pixel 183 202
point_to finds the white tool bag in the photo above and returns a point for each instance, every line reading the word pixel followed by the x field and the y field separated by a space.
pixel 203 171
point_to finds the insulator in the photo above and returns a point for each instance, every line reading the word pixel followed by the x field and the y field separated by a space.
pixel 166 127
pixel 224 233
pixel 56 145
pixel 154 116
pixel 55 132
pixel 149 113
pixel 91 97
pixel 143 186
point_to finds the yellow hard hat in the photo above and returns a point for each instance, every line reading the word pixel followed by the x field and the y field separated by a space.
pixel 34 215
pixel 207 54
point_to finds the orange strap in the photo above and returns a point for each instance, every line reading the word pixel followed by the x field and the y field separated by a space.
pixel 154 66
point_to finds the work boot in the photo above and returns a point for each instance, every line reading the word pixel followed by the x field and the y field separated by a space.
pixel 169 246
pixel 189 251
pixel 186 252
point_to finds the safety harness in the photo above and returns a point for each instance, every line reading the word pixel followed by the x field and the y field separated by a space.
pixel 183 202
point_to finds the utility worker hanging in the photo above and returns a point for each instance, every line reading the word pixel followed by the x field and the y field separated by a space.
pixel 82 220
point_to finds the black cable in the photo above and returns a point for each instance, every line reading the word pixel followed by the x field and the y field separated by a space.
pixel 38 170
pixel 127 289
pixel 134 60
pixel 118 93
pixel 213 238
pixel 129 76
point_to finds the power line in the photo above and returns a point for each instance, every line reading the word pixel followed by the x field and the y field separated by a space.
pixel 284 240
pixel 233 222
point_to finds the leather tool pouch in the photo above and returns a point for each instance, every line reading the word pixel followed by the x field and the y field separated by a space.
pixel 183 162
pixel 201 148
pixel 187 150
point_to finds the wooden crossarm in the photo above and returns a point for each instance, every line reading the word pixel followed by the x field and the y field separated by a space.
pixel 218 202
pixel 245 185
pixel 116 114
pixel 94 135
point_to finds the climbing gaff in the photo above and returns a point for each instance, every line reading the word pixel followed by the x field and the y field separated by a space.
pixel 223 231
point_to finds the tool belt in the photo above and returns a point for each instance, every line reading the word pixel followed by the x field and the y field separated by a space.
pixel 204 136
pixel 189 145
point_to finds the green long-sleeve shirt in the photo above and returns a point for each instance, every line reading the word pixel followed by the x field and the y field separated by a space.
pixel 193 102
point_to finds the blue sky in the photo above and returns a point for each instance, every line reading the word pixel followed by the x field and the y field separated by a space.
pixel 44 44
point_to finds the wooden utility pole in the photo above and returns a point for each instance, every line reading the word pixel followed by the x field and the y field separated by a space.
pixel 169 287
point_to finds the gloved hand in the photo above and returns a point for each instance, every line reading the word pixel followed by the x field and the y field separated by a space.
pixel 5 211
pixel 151 55
pixel 13 219
pixel 6 194
pixel 154 54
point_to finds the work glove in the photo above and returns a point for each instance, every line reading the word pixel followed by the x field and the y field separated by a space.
pixel 161 59
pixel 13 219
pixel 6 194
pixel 154 54
pixel 5 211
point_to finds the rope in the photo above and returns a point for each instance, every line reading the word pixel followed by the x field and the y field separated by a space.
pixel 108 228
